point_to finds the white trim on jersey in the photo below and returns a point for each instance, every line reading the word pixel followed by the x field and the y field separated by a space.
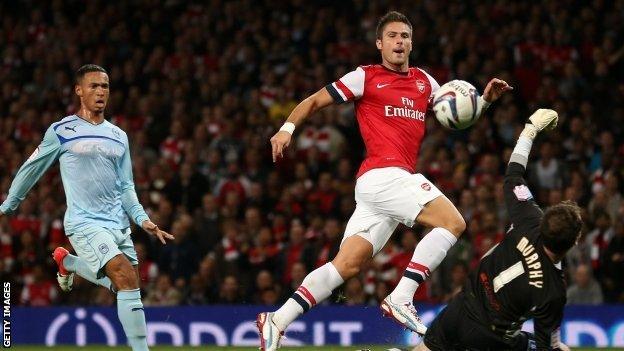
pixel 349 87
pixel 434 84
pixel 354 80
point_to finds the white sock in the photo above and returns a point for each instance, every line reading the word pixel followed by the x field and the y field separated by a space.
pixel 428 254
pixel 316 287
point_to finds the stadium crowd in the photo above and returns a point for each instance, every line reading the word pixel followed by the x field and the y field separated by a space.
pixel 200 87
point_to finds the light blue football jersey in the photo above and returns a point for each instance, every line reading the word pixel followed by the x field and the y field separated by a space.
pixel 96 171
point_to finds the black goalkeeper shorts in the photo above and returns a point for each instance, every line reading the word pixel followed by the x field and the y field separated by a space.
pixel 452 330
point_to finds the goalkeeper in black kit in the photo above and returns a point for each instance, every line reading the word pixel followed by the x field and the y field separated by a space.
pixel 518 279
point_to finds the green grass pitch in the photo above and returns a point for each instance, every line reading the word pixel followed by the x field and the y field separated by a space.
pixel 230 348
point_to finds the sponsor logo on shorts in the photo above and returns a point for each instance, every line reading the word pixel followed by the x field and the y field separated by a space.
pixel 425 186
pixel 103 248
pixel 522 192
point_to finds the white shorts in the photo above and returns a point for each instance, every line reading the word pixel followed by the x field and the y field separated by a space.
pixel 384 198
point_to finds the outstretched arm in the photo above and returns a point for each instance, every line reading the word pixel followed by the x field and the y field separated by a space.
pixel 520 204
pixel 307 107
pixel 31 171
pixel 130 201
pixel 348 88
pixel 493 91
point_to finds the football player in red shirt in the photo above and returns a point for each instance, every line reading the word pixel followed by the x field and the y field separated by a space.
pixel 391 102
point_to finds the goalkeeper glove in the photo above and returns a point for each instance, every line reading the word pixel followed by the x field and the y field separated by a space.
pixel 540 120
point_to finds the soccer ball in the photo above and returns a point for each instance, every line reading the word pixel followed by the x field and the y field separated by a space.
pixel 457 104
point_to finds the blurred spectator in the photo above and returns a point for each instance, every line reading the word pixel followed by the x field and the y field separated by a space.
pixel 489 234
pixel 29 255
pixel 41 290
pixel 459 273
pixel 585 290
pixel 547 172
pixel 328 245
pixel 267 291
pixel 179 258
pixel 229 292
pixel 163 293
pixel 598 239
pixel 6 247
pixel 206 233
pixel 382 290
pixel 196 294
pixel 148 269
pixel 209 275
pixel 103 297
pixel 324 196
pixel 613 265
pixel 354 292
pixel 298 272
pixel 269 297
pixel 187 188
pixel 264 252
pixel 297 250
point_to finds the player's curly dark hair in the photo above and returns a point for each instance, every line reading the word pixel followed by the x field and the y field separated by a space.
pixel 80 73
pixel 561 226
pixel 392 16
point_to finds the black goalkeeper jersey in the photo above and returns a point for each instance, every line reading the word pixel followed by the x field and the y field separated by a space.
pixel 516 280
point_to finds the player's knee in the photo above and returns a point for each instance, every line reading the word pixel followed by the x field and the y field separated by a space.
pixel 347 268
pixel 457 225
pixel 122 274
pixel 350 271
pixel 125 280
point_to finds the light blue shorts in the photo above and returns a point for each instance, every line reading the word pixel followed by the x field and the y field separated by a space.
pixel 97 246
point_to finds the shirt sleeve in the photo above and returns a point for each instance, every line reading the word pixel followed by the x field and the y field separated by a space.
pixel 348 88
pixel 31 171
pixel 521 206
pixel 434 87
pixel 129 199
pixel 547 320
pixel 434 84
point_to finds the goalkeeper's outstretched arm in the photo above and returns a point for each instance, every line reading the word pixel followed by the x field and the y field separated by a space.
pixel 519 201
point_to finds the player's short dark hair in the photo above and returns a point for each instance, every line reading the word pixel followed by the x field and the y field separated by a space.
pixel 80 73
pixel 561 226
pixel 392 16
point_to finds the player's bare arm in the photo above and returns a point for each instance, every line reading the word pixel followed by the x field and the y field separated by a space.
pixel 495 89
pixel 307 107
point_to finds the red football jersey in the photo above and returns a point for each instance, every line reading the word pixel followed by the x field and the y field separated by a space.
pixel 390 108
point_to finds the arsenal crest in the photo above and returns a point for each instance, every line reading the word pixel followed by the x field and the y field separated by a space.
pixel 425 186
pixel 421 85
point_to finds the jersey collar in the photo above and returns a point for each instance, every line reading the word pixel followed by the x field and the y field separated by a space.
pixel 396 72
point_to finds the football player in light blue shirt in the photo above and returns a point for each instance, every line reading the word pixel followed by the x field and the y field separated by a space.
pixel 96 170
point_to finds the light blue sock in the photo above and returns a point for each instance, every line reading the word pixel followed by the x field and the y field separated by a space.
pixel 132 318
pixel 79 266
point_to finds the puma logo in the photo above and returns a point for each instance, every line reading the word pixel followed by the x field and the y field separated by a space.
pixel 73 129
pixel 137 309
